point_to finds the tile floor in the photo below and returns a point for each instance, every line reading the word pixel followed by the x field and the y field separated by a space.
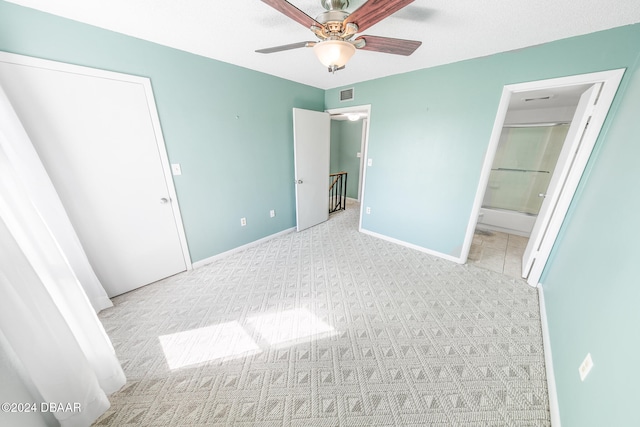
pixel 499 252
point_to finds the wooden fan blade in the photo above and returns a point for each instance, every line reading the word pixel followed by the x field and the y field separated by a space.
pixel 389 45
pixel 292 12
pixel 374 11
pixel 286 47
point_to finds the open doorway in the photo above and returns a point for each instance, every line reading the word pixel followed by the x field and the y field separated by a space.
pixel 535 128
pixel 528 179
pixel 312 163
pixel 349 139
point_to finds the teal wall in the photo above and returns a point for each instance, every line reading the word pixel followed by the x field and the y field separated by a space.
pixel 591 284
pixel 346 141
pixel 430 129
pixel 334 151
pixel 429 132
pixel 231 167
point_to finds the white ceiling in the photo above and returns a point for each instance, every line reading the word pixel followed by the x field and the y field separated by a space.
pixel 451 30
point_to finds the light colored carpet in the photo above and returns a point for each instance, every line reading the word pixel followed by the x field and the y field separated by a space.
pixel 329 327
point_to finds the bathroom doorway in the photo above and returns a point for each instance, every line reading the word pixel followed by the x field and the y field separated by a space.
pixel 534 131
pixel 542 138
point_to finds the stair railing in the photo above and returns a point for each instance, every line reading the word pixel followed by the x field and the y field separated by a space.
pixel 337 191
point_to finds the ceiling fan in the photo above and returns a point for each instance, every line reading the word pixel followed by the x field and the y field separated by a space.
pixel 335 29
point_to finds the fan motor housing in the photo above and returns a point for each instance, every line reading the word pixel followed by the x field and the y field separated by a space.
pixel 331 16
pixel 335 4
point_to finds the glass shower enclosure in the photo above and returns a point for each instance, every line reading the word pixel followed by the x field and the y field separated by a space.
pixel 522 168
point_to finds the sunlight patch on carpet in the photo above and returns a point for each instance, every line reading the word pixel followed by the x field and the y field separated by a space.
pixel 217 342
pixel 290 327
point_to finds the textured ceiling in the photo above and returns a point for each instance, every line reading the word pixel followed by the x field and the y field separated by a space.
pixel 450 30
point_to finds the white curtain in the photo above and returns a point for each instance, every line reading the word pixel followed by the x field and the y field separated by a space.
pixel 46 315
pixel 25 162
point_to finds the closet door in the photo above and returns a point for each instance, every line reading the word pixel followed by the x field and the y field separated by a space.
pixel 99 139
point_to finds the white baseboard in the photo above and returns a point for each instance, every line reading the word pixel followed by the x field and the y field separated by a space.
pixel 101 303
pixel 412 246
pixel 241 248
pixel 554 409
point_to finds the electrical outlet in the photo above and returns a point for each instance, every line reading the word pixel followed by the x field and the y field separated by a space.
pixel 585 367
pixel 272 213
pixel 243 221
pixel 368 210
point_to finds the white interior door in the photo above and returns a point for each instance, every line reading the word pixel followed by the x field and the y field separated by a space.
pixel 565 162
pixel 104 153
pixel 311 147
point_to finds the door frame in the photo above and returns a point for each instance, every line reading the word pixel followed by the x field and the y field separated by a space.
pixel 145 82
pixel 364 149
pixel 610 81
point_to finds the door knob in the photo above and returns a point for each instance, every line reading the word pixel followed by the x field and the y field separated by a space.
pixel 299 181
pixel 164 200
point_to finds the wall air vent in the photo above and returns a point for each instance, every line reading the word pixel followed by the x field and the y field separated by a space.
pixel 346 95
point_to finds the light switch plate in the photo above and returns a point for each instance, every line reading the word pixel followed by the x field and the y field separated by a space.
pixel 585 367
pixel 175 169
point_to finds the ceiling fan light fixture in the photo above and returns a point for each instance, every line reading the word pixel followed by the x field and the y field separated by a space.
pixel 334 54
